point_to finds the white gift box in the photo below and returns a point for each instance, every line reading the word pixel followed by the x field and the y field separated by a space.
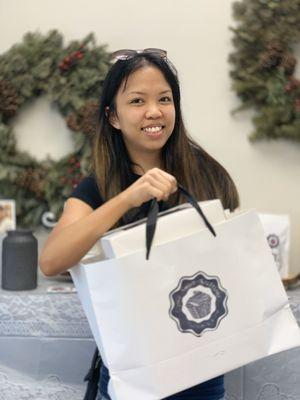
pixel 170 226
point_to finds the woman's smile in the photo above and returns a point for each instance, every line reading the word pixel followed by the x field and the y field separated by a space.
pixel 154 132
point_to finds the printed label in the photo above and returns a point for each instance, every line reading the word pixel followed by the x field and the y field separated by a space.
pixel 198 303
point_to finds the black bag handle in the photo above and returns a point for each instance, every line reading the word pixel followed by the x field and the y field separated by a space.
pixel 153 212
pixel 92 377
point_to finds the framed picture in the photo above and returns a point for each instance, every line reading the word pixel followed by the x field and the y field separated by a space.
pixel 7 215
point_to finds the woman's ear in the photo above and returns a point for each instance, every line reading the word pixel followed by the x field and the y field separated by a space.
pixel 112 118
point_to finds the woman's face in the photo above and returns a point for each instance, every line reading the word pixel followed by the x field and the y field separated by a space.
pixel 145 111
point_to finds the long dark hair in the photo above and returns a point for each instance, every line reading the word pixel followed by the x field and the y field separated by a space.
pixel 182 157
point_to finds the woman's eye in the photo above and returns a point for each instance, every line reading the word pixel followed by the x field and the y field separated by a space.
pixel 136 101
pixel 166 99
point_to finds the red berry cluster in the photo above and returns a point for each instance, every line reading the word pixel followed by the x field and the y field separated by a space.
pixel 73 173
pixel 292 85
pixel 297 104
pixel 71 59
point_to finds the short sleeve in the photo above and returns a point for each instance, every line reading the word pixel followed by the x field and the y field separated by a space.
pixel 87 191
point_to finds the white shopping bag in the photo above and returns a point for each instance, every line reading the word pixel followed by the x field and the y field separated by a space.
pixel 199 307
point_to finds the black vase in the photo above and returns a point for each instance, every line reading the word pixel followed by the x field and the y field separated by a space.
pixel 19 260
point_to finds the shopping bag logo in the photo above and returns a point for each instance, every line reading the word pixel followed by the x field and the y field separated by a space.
pixel 273 241
pixel 198 303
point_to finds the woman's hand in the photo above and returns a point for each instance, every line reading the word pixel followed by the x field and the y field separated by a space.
pixel 80 226
pixel 155 183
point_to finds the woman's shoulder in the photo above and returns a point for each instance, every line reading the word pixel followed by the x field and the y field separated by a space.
pixel 87 190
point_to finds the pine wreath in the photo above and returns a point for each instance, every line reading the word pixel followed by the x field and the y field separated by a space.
pixel 71 78
pixel 264 63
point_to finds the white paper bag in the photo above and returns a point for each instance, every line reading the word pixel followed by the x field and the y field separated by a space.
pixel 199 307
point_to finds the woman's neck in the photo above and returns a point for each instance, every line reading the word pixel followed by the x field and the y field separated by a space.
pixel 144 163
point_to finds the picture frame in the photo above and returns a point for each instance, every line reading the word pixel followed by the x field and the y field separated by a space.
pixel 7 215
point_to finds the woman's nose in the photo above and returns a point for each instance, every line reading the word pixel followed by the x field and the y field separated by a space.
pixel 153 111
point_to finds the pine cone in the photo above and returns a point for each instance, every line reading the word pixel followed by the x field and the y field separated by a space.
pixel 273 55
pixel 89 117
pixel 288 63
pixel 269 60
pixel 86 118
pixel 73 123
pixel 9 98
pixel 32 179
pixel 275 46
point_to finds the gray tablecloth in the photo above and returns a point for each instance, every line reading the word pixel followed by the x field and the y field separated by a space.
pixel 46 344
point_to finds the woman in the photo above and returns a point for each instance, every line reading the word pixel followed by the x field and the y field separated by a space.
pixel 141 150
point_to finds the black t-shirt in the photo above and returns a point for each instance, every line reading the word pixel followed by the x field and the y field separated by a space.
pixel 88 191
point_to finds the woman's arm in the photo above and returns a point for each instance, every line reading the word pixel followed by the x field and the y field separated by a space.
pixel 80 227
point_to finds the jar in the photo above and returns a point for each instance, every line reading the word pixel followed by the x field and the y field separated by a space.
pixel 19 260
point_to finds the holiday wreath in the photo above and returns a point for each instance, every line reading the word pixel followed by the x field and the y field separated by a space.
pixel 70 77
pixel 265 38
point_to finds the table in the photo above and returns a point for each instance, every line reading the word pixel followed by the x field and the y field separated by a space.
pixel 46 345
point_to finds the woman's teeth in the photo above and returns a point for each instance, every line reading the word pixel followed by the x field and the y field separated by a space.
pixel 153 129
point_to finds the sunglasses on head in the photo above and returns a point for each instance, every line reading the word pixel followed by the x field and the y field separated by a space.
pixel 127 54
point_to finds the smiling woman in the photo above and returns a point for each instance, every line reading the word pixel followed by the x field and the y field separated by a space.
pixel 144 116
pixel 141 151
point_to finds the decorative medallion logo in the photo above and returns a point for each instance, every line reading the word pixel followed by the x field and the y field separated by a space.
pixel 198 303
pixel 273 240
pixel 274 243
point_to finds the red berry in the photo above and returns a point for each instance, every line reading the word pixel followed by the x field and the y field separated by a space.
pixel 288 87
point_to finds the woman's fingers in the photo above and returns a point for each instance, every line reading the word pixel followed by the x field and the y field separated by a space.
pixel 155 183
pixel 162 185
pixel 162 180
pixel 170 178
pixel 158 194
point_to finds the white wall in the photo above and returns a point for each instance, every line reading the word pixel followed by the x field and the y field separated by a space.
pixel 196 35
